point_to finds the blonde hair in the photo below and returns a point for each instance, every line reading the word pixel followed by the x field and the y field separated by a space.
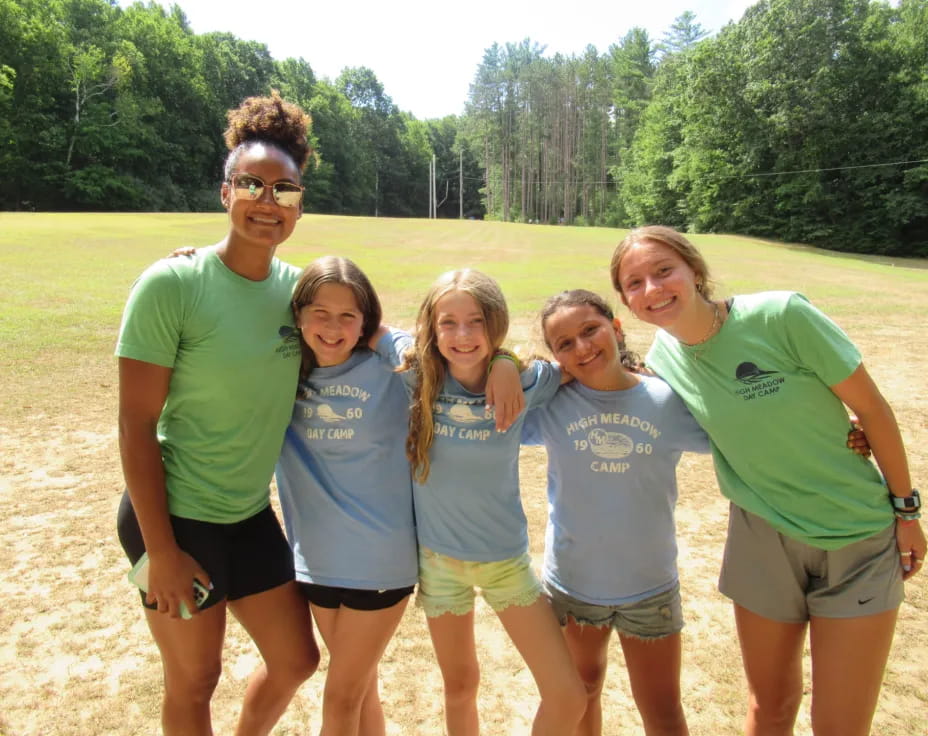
pixel 429 364
pixel 674 240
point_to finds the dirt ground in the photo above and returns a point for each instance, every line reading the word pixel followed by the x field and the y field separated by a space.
pixel 76 657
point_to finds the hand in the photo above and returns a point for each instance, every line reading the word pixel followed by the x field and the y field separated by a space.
pixel 856 439
pixel 504 393
pixel 912 546
pixel 170 581
pixel 185 250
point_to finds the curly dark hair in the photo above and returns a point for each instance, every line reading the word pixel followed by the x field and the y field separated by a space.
pixel 269 120
pixel 584 298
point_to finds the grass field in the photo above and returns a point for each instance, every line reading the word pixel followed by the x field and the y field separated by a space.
pixel 75 654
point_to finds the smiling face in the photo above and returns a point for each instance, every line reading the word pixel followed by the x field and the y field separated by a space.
pixel 262 221
pixel 586 344
pixel 331 324
pixel 461 335
pixel 657 284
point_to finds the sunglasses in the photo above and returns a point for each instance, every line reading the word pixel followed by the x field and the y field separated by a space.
pixel 286 193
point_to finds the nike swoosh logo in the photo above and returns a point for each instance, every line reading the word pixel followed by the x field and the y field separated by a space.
pixel 864 601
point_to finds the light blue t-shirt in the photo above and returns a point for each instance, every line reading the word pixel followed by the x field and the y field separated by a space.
pixel 470 508
pixel 343 478
pixel 612 488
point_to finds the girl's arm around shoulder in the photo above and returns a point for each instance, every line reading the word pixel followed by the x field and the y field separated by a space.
pixel 541 379
pixel 690 436
pixel 504 391
pixel 381 332
pixel 394 347
pixel 540 373
pixel 390 343
pixel 693 437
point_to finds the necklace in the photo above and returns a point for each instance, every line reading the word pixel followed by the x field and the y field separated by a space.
pixel 700 346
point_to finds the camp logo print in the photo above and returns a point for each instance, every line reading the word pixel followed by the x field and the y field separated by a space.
pixel 757 383
pixel 464 414
pixel 464 411
pixel 288 333
pixel 610 445
pixel 327 414
pixel 289 341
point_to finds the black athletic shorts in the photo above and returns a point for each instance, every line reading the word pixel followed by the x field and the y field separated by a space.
pixel 243 558
pixel 326 596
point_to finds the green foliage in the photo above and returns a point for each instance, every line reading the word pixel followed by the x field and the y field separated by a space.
pixel 393 155
pixel 789 125
pixel 683 34
pixel 454 157
pixel 807 121
pixel 543 133
pixel 100 188
pixel 124 109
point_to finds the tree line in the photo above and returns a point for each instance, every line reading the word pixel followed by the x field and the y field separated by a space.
pixel 104 108
pixel 807 121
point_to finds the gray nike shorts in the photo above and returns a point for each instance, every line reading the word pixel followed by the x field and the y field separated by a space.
pixel 785 580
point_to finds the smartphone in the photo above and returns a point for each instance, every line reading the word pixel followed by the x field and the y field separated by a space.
pixel 138 576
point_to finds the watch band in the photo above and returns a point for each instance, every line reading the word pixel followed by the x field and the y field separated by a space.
pixel 907 504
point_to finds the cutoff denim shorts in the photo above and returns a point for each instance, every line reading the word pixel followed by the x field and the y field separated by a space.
pixel 652 618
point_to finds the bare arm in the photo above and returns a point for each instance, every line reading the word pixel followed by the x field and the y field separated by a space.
pixel 504 393
pixel 143 388
pixel 860 393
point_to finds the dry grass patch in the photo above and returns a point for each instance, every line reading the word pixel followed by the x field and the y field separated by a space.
pixel 75 654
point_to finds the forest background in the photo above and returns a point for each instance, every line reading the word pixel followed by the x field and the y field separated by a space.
pixel 805 121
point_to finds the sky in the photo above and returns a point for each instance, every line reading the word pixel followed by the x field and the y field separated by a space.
pixel 426 54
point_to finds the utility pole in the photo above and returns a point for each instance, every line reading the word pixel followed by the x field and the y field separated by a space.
pixel 434 191
pixel 461 184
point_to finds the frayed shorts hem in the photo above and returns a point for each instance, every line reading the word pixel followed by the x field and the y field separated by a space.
pixel 656 617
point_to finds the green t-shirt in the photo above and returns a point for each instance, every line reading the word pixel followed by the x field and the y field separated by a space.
pixel 760 389
pixel 235 357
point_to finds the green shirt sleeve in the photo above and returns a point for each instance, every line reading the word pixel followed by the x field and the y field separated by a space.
pixel 819 346
pixel 152 322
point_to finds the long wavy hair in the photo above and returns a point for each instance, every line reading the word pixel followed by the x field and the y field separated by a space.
pixel 430 366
